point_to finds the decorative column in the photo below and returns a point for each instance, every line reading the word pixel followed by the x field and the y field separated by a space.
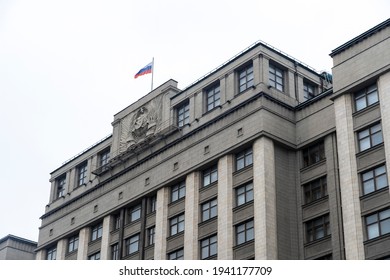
pixel 264 192
pixel 160 242
pixel 61 249
pixel 191 217
pixel 349 183
pixel 225 208
pixel 82 252
pixel 105 247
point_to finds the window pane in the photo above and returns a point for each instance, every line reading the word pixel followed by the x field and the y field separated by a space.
pixel 360 104
pixel 372 219
pixel 364 144
pixel 373 231
pixel 240 238
pixel 381 181
pixel 385 226
pixel 377 138
pixel 368 175
pixel 368 187
pixel 384 214
pixel 372 98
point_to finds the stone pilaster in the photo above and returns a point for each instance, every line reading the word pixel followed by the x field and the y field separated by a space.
pixel 82 252
pixel 349 183
pixel 41 254
pixel 160 244
pixel 225 208
pixel 191 218
pixel 105 247
pixel 384 99
pixel 61 249
pixel 264 188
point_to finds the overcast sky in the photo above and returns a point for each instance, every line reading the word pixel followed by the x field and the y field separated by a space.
pixel 66 67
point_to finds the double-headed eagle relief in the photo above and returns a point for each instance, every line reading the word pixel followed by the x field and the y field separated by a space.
pixel 140 125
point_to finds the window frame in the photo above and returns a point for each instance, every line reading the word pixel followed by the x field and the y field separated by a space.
pixel 310 189
pixel 183 114
pixel 115 251
pixel 134 213
pixel 95 256
pixel 104 157
pixel 51 253
pixel 373 178
pixel 209 246
pixel 82 173
pixel 248 227
pixel 212 97
pixel 211 211
pixel 319 223
pixel 60 186
pixel 178 191
pixel 73 243
pixel 307 86
pixel 151 235
pixel 246 156
pixel 361 138
pixel 311 151
pixel 178 254
pixel 247 193
pixel 96 232
pixel 210 176
pixel 129 242
pixel 273 76
pixel 176 224
pixel 379 222
pixel 242 76
pixel 365 95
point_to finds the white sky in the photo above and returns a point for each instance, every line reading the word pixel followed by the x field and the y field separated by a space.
pixel 66 67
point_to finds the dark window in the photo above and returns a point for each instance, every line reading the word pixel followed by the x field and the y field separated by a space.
pixel 244 232
pixel 208 247
pixel 51 253
pixel 370 137
pixel 374 179
pixel 210 176
pixel 212 97
pixel 117 222
pixel 61 186
pixel 115 252
pixel 315 189
pixel 378 224
pixel 183 114
pixel 209 209
pixel 276 77
pixel 244 194
pixel 152 204
pixel 366 97
pixel 317 228
pixel 73 243
pixel 245 78
pixel 176 224
pixel 326 257
pixel 82 174
pixel 94 257
pixel 151 235
pixel 132 244
pixel 104 157
pixel 244 159
pixel 97 232
pixel 313 154
pixel 178 191
pixel 176 255
pixel 308 90
pixel 134 213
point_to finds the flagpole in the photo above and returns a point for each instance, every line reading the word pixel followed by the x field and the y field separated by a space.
pixel 152 74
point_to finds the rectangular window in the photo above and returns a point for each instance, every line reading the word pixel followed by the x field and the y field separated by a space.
pixel 152 204
pixel 104 157
pixel 94 257
pixel 374 179
pixel 176 255
pixel 308 91
pixel 151 235
pixel 82 174
pixel 51 253
pixel 208 247
pixel 245 78
pixel 176 224
pixel 115 252
pixel 209 209
pixel 244 194
pixel 276 77
pixel 244 232
pixel 134 213
pixel 117 222
pixel 97 232
pixel 73 243
pixel 178 191
pixel 61 186
pixel 183 114
pixel 315 190
pixel 213 97
pixel 366 97
pixel 378 224
pixel 210 176
pixel 132 244
pixel 317 228
pixel 370 137
pixel 313 154
pixel 244 159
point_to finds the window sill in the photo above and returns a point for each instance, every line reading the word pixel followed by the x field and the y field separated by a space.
pixel 315 202
pixel 374 193
pixel 320 240
pixel 97 240
pixel 202 223
pixel 179 234
pixel 371 149
pixel 314 165
pixel 245 205
pixel 376 239
pixel 176 201
pixel 365 110
pixel 243 169
pixel 209 185
pixel 244 244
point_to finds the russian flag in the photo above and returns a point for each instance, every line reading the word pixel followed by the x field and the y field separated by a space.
pixel 145 70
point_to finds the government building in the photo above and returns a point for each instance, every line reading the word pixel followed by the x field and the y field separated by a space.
pixel 262 158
